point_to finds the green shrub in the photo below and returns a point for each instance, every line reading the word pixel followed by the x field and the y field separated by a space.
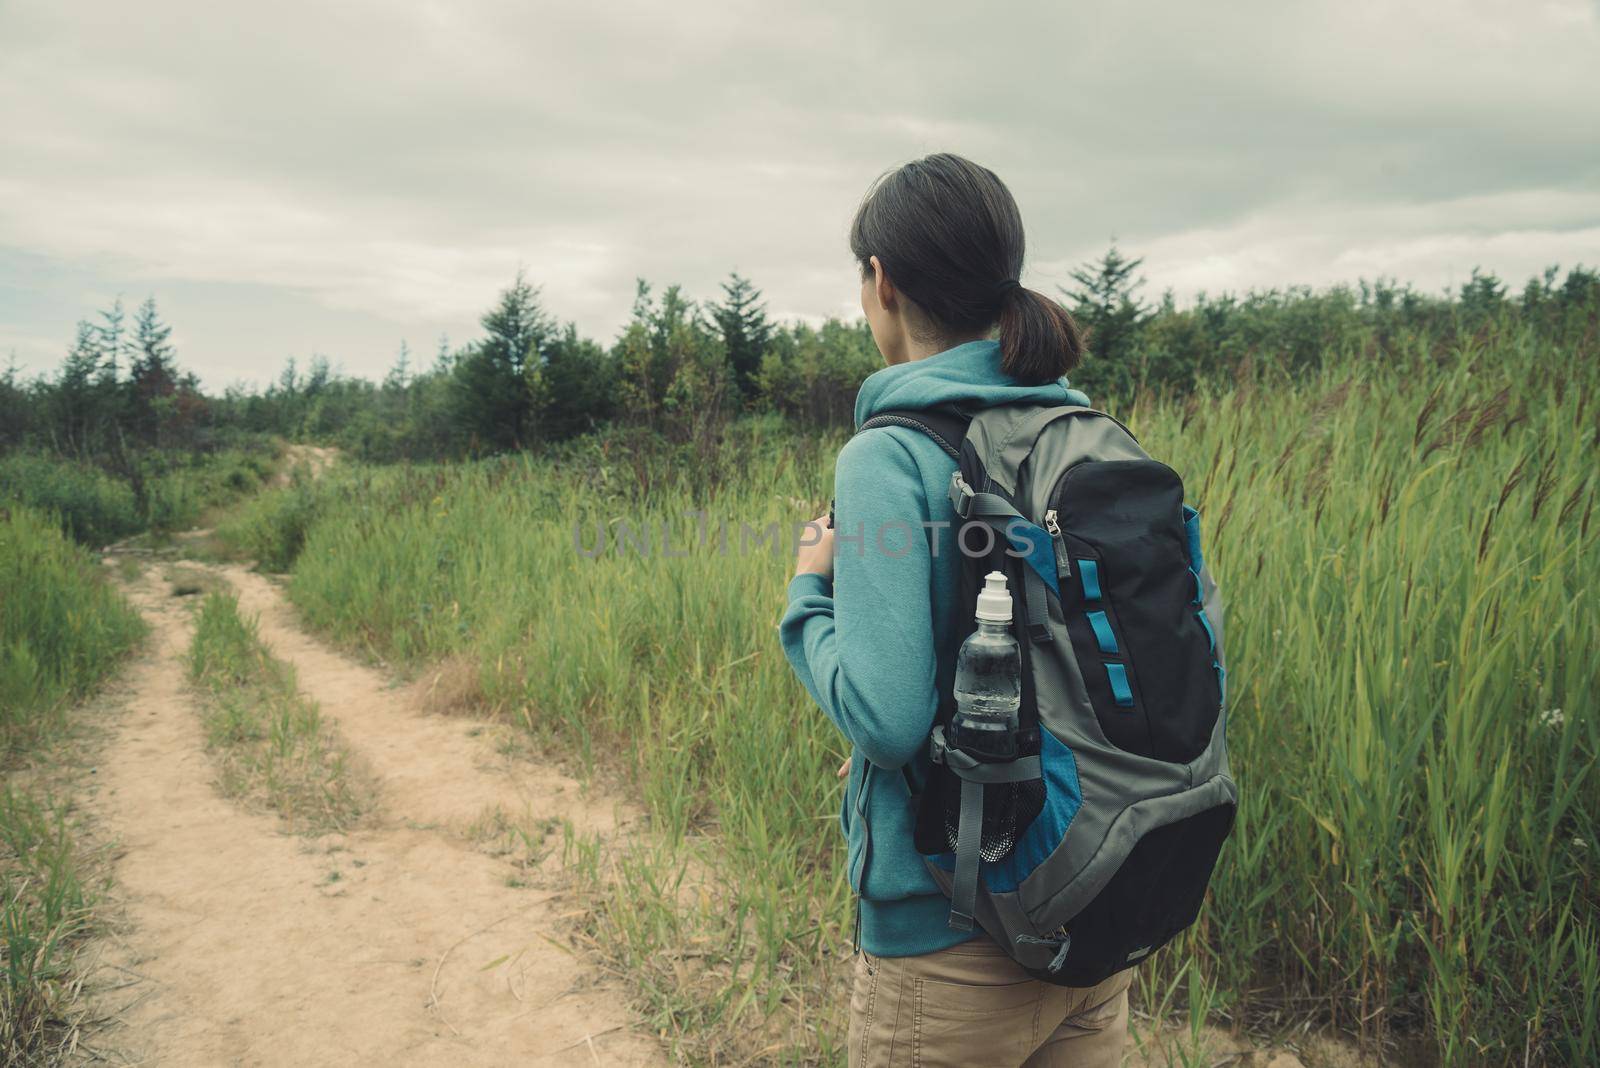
pixel 271 527
pixel 180 487
pixel 166 491
pixel 93 507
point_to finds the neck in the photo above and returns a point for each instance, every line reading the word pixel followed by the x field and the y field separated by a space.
pixel 921 350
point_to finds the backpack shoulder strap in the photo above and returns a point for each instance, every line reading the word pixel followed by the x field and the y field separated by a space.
pixel 946 426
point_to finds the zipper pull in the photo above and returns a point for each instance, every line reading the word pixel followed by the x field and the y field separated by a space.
pixel 1063 565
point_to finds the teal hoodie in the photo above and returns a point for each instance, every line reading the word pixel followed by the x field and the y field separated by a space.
pixel 876 646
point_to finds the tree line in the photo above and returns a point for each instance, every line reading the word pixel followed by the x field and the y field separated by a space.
pixel 680 371
pixel 118 389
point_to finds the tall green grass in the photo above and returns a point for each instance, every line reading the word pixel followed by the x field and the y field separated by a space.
pixel 63 629
pixel 62 626
pixel 1412 552
pixel 271 527
pixel 1409 551
pixel 45 912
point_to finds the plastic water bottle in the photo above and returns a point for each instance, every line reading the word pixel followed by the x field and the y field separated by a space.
pixel 989 679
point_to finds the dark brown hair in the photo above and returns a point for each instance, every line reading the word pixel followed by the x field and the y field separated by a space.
pixel 949 236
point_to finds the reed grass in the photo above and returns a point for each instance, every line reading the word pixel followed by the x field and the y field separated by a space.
pixel 1408 548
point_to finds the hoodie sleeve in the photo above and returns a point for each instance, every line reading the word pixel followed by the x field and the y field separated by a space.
pixel 863 645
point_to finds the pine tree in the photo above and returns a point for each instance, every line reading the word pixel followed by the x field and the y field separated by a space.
pixel 152 360
pixel 746 331
pixel 400 373
pixel 19 417
pixel 1107 303
pixel 78 393
pixel 672 368
pixel 1481 297
pixel 498 382
pixel 153 378
pixel 579 380
pixel 318 377
pixel 112 342
pixel 518 328
pixel 289 380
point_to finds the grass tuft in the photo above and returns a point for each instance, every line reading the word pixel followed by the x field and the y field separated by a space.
pixel 45 916
pixel 271 743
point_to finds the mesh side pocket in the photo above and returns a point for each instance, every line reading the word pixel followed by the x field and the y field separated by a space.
pixel 1008 809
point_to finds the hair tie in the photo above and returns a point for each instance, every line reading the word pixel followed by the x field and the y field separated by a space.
pixel 1003 288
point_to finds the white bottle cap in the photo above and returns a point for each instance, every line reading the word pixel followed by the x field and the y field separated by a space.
pixel 994 601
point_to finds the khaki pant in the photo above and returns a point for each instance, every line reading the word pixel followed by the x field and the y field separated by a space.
pixel 971 1005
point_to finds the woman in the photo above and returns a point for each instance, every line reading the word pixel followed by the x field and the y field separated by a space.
pixel 874 618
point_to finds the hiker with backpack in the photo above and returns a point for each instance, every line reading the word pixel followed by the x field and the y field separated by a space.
pixel 1018 840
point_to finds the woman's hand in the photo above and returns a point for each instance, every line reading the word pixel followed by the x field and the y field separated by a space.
pixel 815 558
pixel 844 769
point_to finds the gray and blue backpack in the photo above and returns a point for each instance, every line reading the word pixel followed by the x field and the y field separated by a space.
pixel 1093 846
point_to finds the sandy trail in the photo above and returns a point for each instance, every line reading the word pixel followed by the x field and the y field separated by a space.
pixel 317 458
pixel 435 769
pixel 397 944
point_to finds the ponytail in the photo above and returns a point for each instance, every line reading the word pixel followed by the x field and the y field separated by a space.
pixel 1039 339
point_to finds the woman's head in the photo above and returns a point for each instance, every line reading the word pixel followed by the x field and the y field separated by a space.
pixel 940 245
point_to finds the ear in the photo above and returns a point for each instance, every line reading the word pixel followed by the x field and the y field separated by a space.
pixel 884 288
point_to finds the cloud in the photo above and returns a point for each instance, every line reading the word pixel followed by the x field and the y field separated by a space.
pixel 1434 244
pixel 392 165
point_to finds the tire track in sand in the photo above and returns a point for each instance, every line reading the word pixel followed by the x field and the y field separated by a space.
pixel 397 944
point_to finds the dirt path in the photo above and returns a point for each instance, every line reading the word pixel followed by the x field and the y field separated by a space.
pixel 317 458
pixel 398 944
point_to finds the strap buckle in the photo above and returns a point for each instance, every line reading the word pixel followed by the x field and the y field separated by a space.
pixel 940 751
pixel 961 495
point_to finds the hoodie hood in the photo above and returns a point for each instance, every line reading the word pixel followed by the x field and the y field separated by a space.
pixel 968 374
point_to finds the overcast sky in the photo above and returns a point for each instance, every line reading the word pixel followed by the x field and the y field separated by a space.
pixel 298 177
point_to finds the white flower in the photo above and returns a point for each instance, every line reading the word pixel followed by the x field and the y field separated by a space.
pixel 1552 718
pixel 1579 843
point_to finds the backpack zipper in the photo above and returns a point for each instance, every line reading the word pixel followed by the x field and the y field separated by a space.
pixel 1063 565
